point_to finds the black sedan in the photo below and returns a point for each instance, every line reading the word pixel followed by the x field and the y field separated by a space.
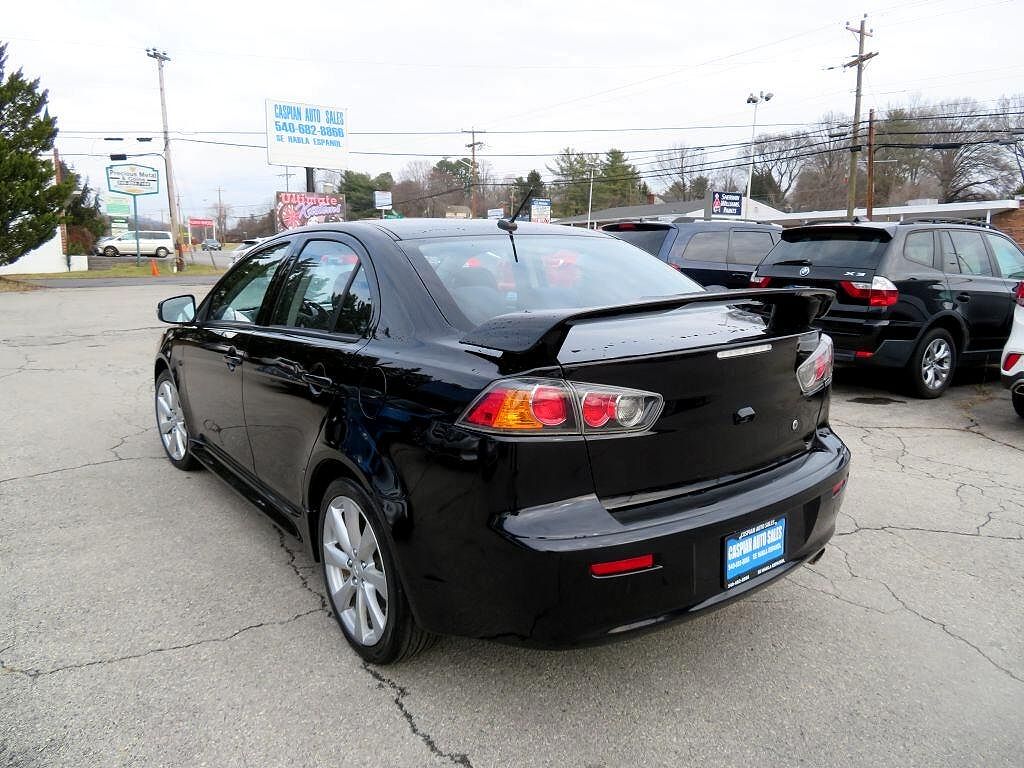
pixel 546 436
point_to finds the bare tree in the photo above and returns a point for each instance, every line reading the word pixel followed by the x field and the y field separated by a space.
pixel 821 183
pixel 1010 132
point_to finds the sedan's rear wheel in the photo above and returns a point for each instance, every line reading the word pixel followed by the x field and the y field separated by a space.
pixel 362 582
pixel 1018 402
pixel 110 251
pixel 170 421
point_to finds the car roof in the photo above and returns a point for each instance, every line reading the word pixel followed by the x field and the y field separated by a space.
pixel 714 224
pixel 414 229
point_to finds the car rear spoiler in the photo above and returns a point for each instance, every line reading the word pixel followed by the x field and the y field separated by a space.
pixel 537 336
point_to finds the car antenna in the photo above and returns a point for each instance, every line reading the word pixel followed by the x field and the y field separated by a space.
pixel 509 225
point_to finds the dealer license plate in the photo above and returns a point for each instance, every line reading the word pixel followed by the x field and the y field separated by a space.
pixel 754 551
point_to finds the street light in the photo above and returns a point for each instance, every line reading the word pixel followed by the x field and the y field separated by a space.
pixel 755 100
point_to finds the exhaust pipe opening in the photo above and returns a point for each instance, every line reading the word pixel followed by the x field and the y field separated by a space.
pixel 816 557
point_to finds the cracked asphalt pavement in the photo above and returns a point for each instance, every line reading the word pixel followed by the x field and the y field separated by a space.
pixel 151 617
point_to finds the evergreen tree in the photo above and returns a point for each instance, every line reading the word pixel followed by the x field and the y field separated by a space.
pixel 30 201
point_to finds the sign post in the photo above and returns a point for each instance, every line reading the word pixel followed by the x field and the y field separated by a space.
pixel 135 181
pixel 382 202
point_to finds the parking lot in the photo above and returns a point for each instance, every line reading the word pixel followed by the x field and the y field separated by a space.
pixel 152 617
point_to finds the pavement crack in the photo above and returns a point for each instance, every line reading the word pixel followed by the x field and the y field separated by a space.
pixel 398 695
pixel 913 529
pixel 79 466
pixel 301 576
pixel 35 673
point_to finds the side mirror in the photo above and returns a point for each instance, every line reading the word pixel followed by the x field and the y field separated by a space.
pixel 177 309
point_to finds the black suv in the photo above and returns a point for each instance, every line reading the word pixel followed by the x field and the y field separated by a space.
pixel 711 252
pixel 922 296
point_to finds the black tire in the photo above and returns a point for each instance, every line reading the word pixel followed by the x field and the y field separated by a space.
pixel 110 251
pixel 161 253
pixel 186 462
pixel 401 637
pixel 1018 402
pixel 924 357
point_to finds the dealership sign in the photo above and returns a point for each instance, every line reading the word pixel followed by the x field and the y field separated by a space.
pixel 540 210
pixel 306 135
pixel 133 179
pixel 726 204
pixel 382 200
pixel 117 205
pixel 297 209
pixel 194 222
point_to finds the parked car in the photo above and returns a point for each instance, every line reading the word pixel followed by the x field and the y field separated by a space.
pixel 211 244
pixel 244 246
pixel 721 253
pixel 923 297
pixel 551 440
pixel 151 243
pixel 1012 363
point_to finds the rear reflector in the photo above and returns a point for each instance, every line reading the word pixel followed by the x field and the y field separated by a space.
pixel 863 354
pixel 838 487
pixel 1011 360
pixel 617 567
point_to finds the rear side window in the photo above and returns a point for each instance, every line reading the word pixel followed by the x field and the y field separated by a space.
pixel 750 247
pixel 920 248
pixel 838 247
pixel 970 254
pixel 707 246
pixel 649 239
pixel 1008 257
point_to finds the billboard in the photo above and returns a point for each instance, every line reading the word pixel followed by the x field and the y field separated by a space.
pixel 297 209
pixel 133 179
pixel 540 210
pixel 726 204
pixel 495 213
pixel 382 200
pixel 306 135
pixel 194 222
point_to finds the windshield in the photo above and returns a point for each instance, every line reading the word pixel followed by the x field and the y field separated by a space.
pixel 481 279
pixel 831 248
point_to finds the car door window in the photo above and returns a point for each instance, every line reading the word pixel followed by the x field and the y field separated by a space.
pixel 750 247
pixel 325 290
pixel 707 246
pixel 920 248
pixel 1008 257
pixel 239 297
pixel 971 253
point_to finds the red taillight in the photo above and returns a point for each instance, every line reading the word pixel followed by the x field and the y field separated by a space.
pixel 838 487
pixel 757 281
pixel 880 292
pixel 553 406
pixel 1011 360
pixel 618 567
pixel 624 227
pixel 1020 293
pixel 816 371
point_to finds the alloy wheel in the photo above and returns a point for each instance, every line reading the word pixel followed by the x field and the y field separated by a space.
pixel 171 420
pixel 936 363
pixel 355 571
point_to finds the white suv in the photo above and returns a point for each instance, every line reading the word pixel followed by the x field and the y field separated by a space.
pixel 1012 363
pixel 151 243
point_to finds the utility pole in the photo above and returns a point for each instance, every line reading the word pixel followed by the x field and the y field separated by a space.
pixel 179 261
pixel 310 180
pixel 220 215
pixel 473 144
pixel 287 178
pixel 590 196
pixel 871 164
pixel 857 61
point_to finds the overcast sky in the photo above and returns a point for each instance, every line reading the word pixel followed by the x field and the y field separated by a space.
pixel 447 66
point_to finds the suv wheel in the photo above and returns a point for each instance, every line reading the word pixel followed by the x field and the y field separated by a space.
pixel 1018 402
pixel 932 364
pixel 161 253
pixel 363 586
pixel 110 251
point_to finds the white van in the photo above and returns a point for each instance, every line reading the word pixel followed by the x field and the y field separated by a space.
pixel 151 243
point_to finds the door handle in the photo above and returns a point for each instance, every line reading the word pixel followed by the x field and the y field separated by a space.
pixel 232 359
pixel 317 383
pixel 963 297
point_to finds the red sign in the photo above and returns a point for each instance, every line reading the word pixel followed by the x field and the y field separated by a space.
pixel 200 222
pixel 297 209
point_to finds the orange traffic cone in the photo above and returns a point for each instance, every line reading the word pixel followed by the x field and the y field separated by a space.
pixel 153 268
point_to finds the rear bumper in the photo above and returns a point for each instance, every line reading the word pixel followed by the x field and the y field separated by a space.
pixel 883 354
pixel 1013 381
pixel 538 589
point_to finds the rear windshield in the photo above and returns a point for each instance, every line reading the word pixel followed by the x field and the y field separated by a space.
pixel 479 278
pixel 648 238
pixel 831 248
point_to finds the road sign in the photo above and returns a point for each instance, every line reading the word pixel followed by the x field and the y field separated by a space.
pixel 134 180
pixel 306 135
pixel 117 205
pixel 393 215
pixel 540 210
pixel 495 213
pixel 382 200
pixel 726 204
